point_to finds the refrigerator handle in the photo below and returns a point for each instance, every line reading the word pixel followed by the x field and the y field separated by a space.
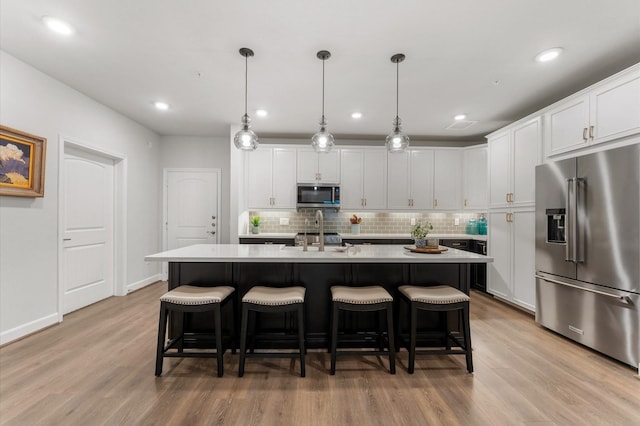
pixel 580 186
pixel 623 299
pixel 569 223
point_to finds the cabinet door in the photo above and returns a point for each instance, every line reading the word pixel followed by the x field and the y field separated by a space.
pixel 447 180
pixel 474 175
pixel 524 283
pixel 499 152
pixel 499 245
pixel 615 109
pixel 307 166
pixel 284 178
pixel 525 153
pixel 421 179
pixel 566 126
pixel 351 171
pixel 374 182
pixel 259 179
pixel 398 180
pixel 329 166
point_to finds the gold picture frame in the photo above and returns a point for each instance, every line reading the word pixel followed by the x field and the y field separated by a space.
pixel 22 161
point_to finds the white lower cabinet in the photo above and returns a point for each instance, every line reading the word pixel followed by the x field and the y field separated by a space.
pixel 511 243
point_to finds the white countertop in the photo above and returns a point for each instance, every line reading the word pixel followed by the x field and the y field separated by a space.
pixel 246 253
pixel 370 236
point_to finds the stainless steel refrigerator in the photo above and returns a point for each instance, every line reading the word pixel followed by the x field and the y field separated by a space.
pixel 588 250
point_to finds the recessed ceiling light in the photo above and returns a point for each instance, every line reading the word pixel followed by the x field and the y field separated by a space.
pixel 549 54
pixel 162 106
pixel 58 25
pixel 460 117
pixel 262 112
pixel 356 115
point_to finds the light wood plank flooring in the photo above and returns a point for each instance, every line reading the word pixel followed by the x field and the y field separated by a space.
pixel 97 368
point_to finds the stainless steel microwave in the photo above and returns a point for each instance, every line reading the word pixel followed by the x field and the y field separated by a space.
pixel 318 196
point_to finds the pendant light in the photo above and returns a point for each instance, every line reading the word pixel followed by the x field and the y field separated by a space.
pixel 245 139
pixel 397 141
pixel 323 140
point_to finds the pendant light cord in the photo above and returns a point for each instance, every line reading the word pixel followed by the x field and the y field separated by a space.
pixel 246 72
pixel 323 88
pixel 397 87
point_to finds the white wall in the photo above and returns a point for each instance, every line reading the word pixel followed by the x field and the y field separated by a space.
pixel 34 102
pixel 200 152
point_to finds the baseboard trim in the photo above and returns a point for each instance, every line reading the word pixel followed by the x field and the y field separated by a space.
pixel 27 329
pixel 143 283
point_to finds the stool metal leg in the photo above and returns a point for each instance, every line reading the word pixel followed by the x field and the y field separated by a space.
pixel 300 315
pixel 218 327
pixel 412 338
pixel 162 330
pixel 243 340
pixel 392 350
pixel 467 337
pixel 334 338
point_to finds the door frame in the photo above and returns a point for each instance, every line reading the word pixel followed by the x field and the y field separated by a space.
pixel 119 216
pixel 165 206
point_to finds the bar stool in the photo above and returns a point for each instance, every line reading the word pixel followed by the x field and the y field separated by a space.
pixel 188 298
pixel 362 299
pixel 441 298
pixel 272 299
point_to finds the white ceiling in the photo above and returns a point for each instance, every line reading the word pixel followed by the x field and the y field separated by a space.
pixel 128 53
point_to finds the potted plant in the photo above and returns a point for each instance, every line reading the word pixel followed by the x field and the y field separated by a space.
pixel 255 225
pixel 419 233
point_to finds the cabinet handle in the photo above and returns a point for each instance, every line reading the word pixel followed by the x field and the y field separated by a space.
pixel 591 132
pixel 435 202
pixel 465 202
pixel 365 202
pixel 507 197
pixel 584 134
pixel 511 197
pixel 509 217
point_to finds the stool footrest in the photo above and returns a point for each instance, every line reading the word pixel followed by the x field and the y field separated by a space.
pixel 272 354
pixel 191 354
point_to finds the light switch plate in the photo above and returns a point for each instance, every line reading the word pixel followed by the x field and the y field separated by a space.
pixel 456 221
pixel 413 221
pixel 284 221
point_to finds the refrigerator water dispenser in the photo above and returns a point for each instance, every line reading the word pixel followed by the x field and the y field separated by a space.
pixel 555 226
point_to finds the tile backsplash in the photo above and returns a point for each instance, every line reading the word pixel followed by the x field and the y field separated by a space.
pixel 372 222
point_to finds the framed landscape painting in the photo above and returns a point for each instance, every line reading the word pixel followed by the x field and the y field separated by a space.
pixel 21 163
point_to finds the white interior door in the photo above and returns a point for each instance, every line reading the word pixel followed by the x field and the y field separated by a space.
pixel 192 207
pixel 88 229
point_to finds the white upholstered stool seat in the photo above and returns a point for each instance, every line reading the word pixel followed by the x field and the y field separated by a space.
pixel 273 296
pixel 437 295
pixel 360 295
pixel 192 295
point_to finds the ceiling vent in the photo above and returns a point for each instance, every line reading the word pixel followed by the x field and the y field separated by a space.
pixel 461 124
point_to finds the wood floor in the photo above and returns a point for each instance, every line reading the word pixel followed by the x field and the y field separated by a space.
pixel 97 368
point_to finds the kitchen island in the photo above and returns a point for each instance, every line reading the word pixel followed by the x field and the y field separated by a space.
pixel 245 265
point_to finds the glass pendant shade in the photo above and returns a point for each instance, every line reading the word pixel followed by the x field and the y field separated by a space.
pixel 323 140
pixel 245 139
pixel 397 141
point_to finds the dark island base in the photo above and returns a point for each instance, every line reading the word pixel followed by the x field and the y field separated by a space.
pixel 317 278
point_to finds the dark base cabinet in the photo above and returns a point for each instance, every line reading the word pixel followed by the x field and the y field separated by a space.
pixel 266 240
pixel 317 278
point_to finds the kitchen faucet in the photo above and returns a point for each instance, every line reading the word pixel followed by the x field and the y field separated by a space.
pixel 320 224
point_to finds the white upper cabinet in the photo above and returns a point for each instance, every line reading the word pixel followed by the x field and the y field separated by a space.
pixel 271 178
pixel 316 167
pixel 474 178
pixel 447 180
pixel 410 180
pixel 608 111
pixel 363 175
pixel 513 156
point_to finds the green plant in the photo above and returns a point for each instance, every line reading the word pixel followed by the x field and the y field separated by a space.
pixel 255 221
pixel 420 231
